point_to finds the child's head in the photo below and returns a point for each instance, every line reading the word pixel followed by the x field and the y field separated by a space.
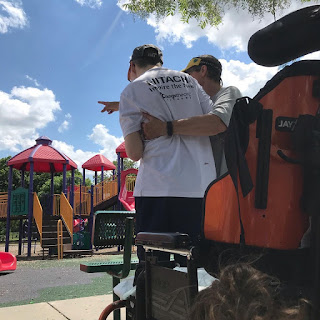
pixel 243 293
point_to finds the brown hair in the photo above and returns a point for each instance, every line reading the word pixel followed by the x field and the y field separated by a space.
pixel 243 293
pixel 214 67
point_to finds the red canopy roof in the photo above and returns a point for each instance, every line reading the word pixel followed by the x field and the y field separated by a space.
pixel 96 162
pixel 44 156
pixel 122 150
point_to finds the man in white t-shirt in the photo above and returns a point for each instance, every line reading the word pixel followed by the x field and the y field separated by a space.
pixel 206 69
pixel 175 170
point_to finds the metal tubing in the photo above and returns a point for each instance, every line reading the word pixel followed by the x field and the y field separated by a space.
pixel 80 205
pixel 64 179
pixel 91 218
pixel 30 211
pixel 119 181
pixel 192 279
pixel 102 182
pixel 72 188
pixel 8 209
pixel 20 236
pixel 84 177
pixel 148 286
pixel 116 313
pixel 52 192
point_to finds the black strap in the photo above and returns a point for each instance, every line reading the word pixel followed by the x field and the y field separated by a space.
pixel 244 113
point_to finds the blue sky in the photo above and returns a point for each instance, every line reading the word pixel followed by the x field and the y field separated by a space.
pixel 59 57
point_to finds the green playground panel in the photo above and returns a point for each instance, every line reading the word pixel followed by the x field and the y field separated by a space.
pixel 19 202
pixel 81 240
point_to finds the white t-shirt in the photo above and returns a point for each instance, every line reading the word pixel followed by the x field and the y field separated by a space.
pixel 224 101
pixel 177 166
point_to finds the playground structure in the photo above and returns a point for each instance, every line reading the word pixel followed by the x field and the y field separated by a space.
pixel 266 207
pixel 75 206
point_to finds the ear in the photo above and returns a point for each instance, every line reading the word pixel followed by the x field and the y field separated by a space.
pixel 203 70
pixel 133 68
pixel 129 72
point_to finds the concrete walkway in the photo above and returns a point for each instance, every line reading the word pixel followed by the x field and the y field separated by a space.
pixel 88 308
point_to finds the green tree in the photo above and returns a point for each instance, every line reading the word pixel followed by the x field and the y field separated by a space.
pixel 4 175
pixel 206 12
pixel 127 164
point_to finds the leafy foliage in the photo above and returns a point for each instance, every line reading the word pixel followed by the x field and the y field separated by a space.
pixel 206 12
pixel 4 176
pixel 127 164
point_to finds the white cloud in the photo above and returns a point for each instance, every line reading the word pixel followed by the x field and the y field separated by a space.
pixel 233 33
pixel 12 15
pixel 90 3
pixel 100 135
pixel 78 156
pixel 249 78
pixel 36 83
pixel 64 126
pixel 22 112
pixel 312 56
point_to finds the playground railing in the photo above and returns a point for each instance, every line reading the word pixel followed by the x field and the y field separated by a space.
pixel 104 191
pixel 83 207
pixel 82 201
pixel 3 204
pixel 130 182
pixel 66 213
pixel 56 204
pixel 101 192
pixel 37 213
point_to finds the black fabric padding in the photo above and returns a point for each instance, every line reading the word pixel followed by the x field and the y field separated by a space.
pixel 245 112
pixel 286 39
pixel 300 68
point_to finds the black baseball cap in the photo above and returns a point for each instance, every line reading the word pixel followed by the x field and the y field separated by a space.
pixel 147 51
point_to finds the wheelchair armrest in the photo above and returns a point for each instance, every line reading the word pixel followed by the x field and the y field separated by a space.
pixel 163 240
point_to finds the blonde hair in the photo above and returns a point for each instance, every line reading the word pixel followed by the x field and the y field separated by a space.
pixel 244 293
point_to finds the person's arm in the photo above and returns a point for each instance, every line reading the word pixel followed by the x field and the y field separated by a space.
pixel 134 146
pixel 204 125
pixel 110 107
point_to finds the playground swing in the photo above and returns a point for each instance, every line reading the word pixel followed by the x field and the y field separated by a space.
pixel 272 152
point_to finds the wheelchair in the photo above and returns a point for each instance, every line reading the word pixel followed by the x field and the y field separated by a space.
pixel 267 205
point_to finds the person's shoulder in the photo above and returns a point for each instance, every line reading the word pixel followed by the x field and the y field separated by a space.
pixel 127 89
pixel 232 91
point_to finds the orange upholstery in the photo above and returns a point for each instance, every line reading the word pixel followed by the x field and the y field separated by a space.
pixel 282 224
